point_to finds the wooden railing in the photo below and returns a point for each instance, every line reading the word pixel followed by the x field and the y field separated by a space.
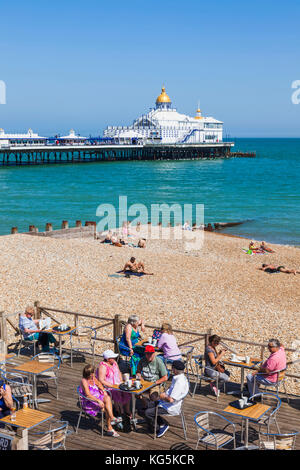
pixel 117 325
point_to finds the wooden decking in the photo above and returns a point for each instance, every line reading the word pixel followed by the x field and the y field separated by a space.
pixel 88 438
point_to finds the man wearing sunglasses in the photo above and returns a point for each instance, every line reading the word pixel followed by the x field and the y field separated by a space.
pixel 265 374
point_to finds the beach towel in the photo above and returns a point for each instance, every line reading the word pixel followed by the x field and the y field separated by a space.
pixel 251 252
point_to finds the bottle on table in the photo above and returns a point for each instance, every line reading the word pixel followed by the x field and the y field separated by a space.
pixel 25 402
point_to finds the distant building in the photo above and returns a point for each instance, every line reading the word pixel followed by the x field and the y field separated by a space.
pixel 9 140
pixel 72 139
pixel 164 124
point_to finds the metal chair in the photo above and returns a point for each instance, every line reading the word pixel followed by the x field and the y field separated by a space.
pixel 52 439
pixel 19 385
pixel 209 435
pixel 280 381
pixel 27 343
pixel 200 375
pixel 180 413
pixel 127 358
pixel 187 355
pixel 269 418
pixel 285 441
pixel 82 397
pixel 83 340
pixel 51 374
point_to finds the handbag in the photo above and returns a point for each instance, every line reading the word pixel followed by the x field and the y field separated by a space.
pixel 220 367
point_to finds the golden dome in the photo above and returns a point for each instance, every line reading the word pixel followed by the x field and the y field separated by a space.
pixel 163 97
pixel 198 116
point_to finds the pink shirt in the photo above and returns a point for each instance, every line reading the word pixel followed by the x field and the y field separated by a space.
pixel 169 346
pixel 276 361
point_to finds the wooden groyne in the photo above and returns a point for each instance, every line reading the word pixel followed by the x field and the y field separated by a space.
pixel 43 155
pixel 79 231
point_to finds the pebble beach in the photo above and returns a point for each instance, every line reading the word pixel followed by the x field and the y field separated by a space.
pixel 215 287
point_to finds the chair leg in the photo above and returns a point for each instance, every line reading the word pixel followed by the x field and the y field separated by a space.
pixel 102 423
pixel 195 387
pixel 79 418
pixel 183 425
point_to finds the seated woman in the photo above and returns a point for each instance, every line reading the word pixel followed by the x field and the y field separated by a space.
pixel 92 389
pixel 212 363
pixel 130 337
pixel 108 373
pixel 264 247
pixel 167 343
pixel 6 401
pixel 255 249
pixel 142 243
pixel 107 238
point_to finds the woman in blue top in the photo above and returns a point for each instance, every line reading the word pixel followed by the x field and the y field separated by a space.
pixel 130 337
pixel 6 401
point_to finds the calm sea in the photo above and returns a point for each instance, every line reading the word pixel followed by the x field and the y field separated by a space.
pixel 265 191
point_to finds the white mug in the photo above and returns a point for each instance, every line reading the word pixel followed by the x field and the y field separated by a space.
pixel 245 400
pixel 150 340
pixel 241 403
pixel 247 359
pixel 154 342
pixel 129 383
pixel 137 384
pixel 126 377
pixel 233 357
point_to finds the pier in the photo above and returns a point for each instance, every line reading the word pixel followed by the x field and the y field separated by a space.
pixel 54 154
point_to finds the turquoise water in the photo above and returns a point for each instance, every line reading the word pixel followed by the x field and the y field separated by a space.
pixel 264 191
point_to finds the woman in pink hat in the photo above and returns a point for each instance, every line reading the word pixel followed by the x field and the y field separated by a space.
pixel 109 373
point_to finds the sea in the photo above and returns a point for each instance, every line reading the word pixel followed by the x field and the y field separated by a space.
pixel 262 192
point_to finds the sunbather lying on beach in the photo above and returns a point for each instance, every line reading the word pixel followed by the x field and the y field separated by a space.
pixel 135 267
pixel 255 249
pixel 264 247
pixel 269 268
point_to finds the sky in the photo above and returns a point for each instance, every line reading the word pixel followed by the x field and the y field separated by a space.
pixel 85 65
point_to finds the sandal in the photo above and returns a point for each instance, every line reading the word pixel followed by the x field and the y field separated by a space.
pixel 112 433
pixel 117 420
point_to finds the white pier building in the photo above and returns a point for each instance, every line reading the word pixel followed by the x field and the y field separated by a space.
pixel 163 124
pixel 31 138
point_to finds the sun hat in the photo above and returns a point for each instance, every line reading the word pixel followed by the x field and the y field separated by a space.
pixel 149 348
pixel 178 365
pixel 109 354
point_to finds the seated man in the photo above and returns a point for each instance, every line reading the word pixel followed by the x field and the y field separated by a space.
pixel 133 266
pixel 152 369
pixel 142 243
pixel 171 401
pixel 276 361
pixel 269 268
pixel 30 330
pixel 264 247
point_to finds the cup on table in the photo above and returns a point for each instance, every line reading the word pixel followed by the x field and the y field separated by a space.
pixel 13 415
pixel 137 384
pixel 245 400
pixel 233 357
pixel 150 340
pixel 126 377
pixel 241 403
pixel 129 383
pixel 154 342
pixel 247 359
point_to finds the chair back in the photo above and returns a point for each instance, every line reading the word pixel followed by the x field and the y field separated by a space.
pixel 48 357
pixel 280 441
pixel 83 334
pixel 202 419
pixel 54 438
pixel 269 399
pixel 281 375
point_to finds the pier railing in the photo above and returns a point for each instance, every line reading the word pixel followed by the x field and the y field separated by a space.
pixel 112 328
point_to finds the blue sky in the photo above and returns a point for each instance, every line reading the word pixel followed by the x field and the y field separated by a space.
pixel 91 64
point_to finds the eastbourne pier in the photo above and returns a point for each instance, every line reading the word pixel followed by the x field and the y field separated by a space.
pixel 43 155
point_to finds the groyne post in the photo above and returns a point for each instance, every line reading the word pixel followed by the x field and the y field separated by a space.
pixel 14 230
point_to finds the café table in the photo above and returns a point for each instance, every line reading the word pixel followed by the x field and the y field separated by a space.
pixel 142 343
pixel 35 368
pixel 60 335
pixel 135 393
pixel 26 418
pixel 243 365
pixel 254 412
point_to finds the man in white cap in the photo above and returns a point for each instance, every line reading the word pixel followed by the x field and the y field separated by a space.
pixel 170 401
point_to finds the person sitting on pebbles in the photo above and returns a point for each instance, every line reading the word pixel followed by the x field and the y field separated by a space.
pixel 264 247
pixel 269 268
pixel 255 249
pixel 142 243
pixel 135 267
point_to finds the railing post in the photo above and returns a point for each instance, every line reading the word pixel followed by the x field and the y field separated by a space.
pixel 116 330
pixel 3 330
pixel 207 335
pixel 262 350
pixel 76 321
pixel 37 310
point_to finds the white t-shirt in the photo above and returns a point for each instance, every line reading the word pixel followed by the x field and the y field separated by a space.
pixel 178 390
